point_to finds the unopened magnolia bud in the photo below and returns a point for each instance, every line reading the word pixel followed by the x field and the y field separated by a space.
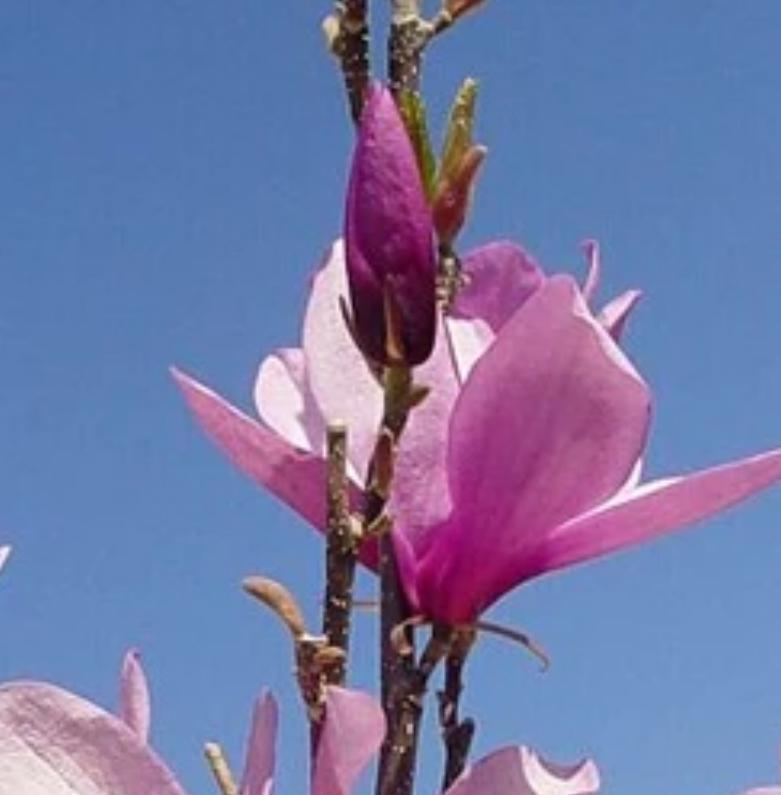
pixel 454 195
pixel 389 241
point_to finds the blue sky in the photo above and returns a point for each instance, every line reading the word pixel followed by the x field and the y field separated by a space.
pixel 172 173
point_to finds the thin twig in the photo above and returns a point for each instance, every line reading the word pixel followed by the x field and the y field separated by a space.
pixel 409 34
pixel 341 553
pixel 348 32
pixel 218 765
pixel 457 734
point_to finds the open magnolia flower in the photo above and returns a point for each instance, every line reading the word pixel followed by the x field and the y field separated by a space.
pixel 530 465
pixel 53 742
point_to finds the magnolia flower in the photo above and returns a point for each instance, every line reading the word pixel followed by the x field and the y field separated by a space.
pixel 530 465
pixel 389 239
pixel 53 742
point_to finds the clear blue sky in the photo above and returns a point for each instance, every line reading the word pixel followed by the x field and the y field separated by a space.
pixel 172 171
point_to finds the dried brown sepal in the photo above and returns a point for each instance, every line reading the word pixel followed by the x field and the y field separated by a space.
pixel 279 599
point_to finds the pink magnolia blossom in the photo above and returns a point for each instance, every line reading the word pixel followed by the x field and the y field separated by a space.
pixel 134 703
pixel 389 237
pixel 526 456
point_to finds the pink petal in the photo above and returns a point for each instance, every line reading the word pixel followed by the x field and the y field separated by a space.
pixel 469 340
pixel 549 424
pixel 258 778
pixel 283 401
pixel 520 771
pixel 353 732
pixel 340 381
pixel 294 476
pixel 500 278
pixel 55 743
pixel 658 507
pixel 5 553
pixel 134 704
pixel 763 791
pixel 614 315
pixel 421 494
pixel 594 273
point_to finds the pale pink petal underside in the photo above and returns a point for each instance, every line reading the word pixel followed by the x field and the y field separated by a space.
pixel 763 791
pixel 594 268
pixel 353 731
pixel 55 743
pixel 134 703
pixel 614 314
pixel 5 553
pixel 340 381
pixel 520 771
pixel 258 778
pixel 283 401
pixel 659 507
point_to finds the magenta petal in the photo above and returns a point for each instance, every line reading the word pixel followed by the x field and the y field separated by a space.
pixel 294 476
pixel 353 731
pixel 421 495
pixel 389 235
pixel 658 507
pixel 520 771
pixel 500 278
pixel 258 778
pixel 614 315
pixel 134 704
pixel 549 424
pixel 340 382
pixel 55 743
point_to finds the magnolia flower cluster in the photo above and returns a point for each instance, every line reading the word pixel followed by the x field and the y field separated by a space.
pixel 525 457
pixel 527 454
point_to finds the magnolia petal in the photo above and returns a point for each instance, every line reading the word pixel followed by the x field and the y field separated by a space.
pixel 5 553
pixel 134 703
pixel 354 729
pixel 55 743
pixel 258 778
pixel 421 496
pixel 341 384
pixel 520 771
pixel 469 340
pixel 294 476
pixel 656 508
pixel 499 278
pixel 283 403
pixel 763 791
pixel 594 268
pixel 614 315
pixel 549 424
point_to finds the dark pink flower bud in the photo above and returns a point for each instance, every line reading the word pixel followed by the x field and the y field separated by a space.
pixel 391 264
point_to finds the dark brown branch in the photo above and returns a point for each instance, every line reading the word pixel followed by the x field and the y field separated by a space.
pixel 409 34
pixel 457 734
pixel 341 553
pixel 348 33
